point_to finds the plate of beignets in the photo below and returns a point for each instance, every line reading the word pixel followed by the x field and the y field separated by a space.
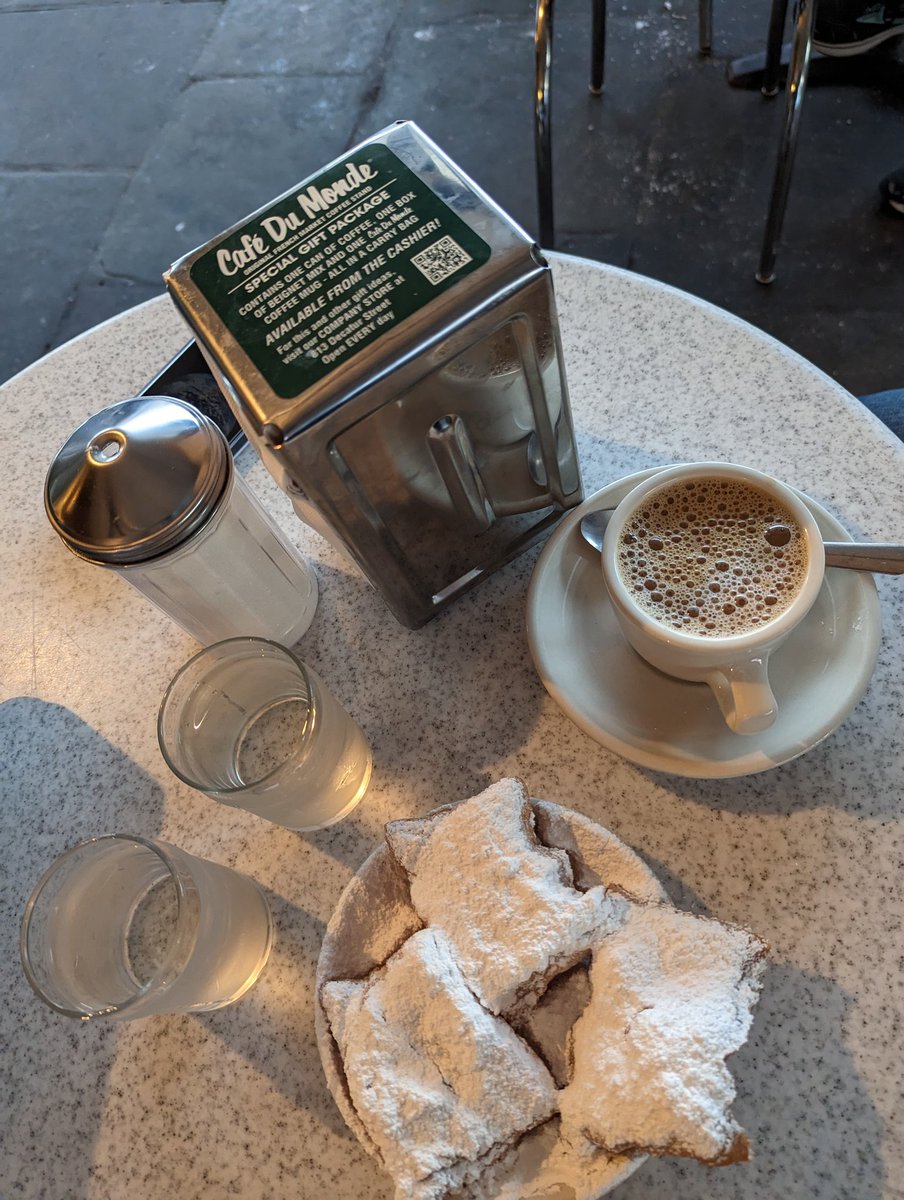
pixel 503 995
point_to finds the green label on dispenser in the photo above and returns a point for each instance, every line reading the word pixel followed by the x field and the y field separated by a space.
pixel 324 272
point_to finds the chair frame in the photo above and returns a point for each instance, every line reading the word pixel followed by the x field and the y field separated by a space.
pixel 798 72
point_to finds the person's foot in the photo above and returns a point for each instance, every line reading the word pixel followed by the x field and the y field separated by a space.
pixel 892 191
pixel 845 27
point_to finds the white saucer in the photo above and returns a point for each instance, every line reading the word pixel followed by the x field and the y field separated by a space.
pixel 817 676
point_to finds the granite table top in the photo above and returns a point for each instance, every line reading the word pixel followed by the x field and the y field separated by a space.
pixel 809 855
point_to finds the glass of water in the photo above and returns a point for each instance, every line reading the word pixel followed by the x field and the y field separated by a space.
pixel 248 723
pixel 127 926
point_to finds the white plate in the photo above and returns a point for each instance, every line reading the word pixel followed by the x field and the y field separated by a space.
pixel 373 916
pixel 817 675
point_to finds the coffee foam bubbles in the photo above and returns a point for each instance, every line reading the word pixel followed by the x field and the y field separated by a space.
pixel 713 557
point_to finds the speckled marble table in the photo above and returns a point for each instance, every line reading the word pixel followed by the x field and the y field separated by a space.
pixel 809 855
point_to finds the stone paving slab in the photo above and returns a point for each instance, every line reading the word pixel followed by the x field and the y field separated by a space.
pixel 704 215
pixel 816 305
pixel 656 139
pixel 853 347
pixel 58 219
pixel 426 12
pixel 850 138
pixel 55 5
pixel 90 86
pixel 617 249
pixel 231 146
pixel 285 37
pixel 602 144
pixel 98 297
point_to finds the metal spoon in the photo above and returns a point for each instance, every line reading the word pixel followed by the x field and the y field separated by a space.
pixel 885 558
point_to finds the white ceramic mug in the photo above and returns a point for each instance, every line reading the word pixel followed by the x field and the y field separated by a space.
pixel 734 664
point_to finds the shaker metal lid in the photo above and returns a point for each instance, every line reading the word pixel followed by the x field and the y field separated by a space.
pixel 136 480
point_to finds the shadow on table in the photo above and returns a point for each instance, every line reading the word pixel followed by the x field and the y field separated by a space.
pixel 813 1128
pixel 272 1027
pixel 351 840
pixel 462 686
pixel 812 1124
pixel 462 690
pixel 851 774
pixel 60 782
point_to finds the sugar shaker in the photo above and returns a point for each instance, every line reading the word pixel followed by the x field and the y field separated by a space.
pixel 149 489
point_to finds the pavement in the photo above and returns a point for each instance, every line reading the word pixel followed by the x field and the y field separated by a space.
pixel 133 132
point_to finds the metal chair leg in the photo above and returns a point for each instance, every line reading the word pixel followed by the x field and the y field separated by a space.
pixel 705 18
pixel 598 47
pixel 772 70
pixel 542 126
pixel 797 84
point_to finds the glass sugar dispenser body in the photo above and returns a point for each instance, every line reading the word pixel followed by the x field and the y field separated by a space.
pixel 149 489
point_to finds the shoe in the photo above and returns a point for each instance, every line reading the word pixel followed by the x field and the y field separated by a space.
pixel 891 190
pixel 846 27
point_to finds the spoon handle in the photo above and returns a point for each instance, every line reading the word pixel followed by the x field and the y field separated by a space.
pixel 884 558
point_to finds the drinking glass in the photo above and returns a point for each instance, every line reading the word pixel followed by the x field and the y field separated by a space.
pixel 126 926
pixel 249 724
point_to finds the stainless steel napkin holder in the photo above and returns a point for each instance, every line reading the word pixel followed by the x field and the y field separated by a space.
pixel 387 338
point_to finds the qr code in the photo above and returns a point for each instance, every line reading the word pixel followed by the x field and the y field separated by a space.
pixel 441 260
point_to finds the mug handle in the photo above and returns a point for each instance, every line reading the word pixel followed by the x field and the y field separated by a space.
pixel 744 696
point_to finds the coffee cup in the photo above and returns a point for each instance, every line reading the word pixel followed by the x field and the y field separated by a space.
pixel 709 567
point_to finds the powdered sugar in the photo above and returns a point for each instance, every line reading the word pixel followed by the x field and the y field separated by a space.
pixel 438 1081
pixel 671 997
pixel 506 903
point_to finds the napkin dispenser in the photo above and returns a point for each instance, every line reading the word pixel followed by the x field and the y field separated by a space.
pixel 388 341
